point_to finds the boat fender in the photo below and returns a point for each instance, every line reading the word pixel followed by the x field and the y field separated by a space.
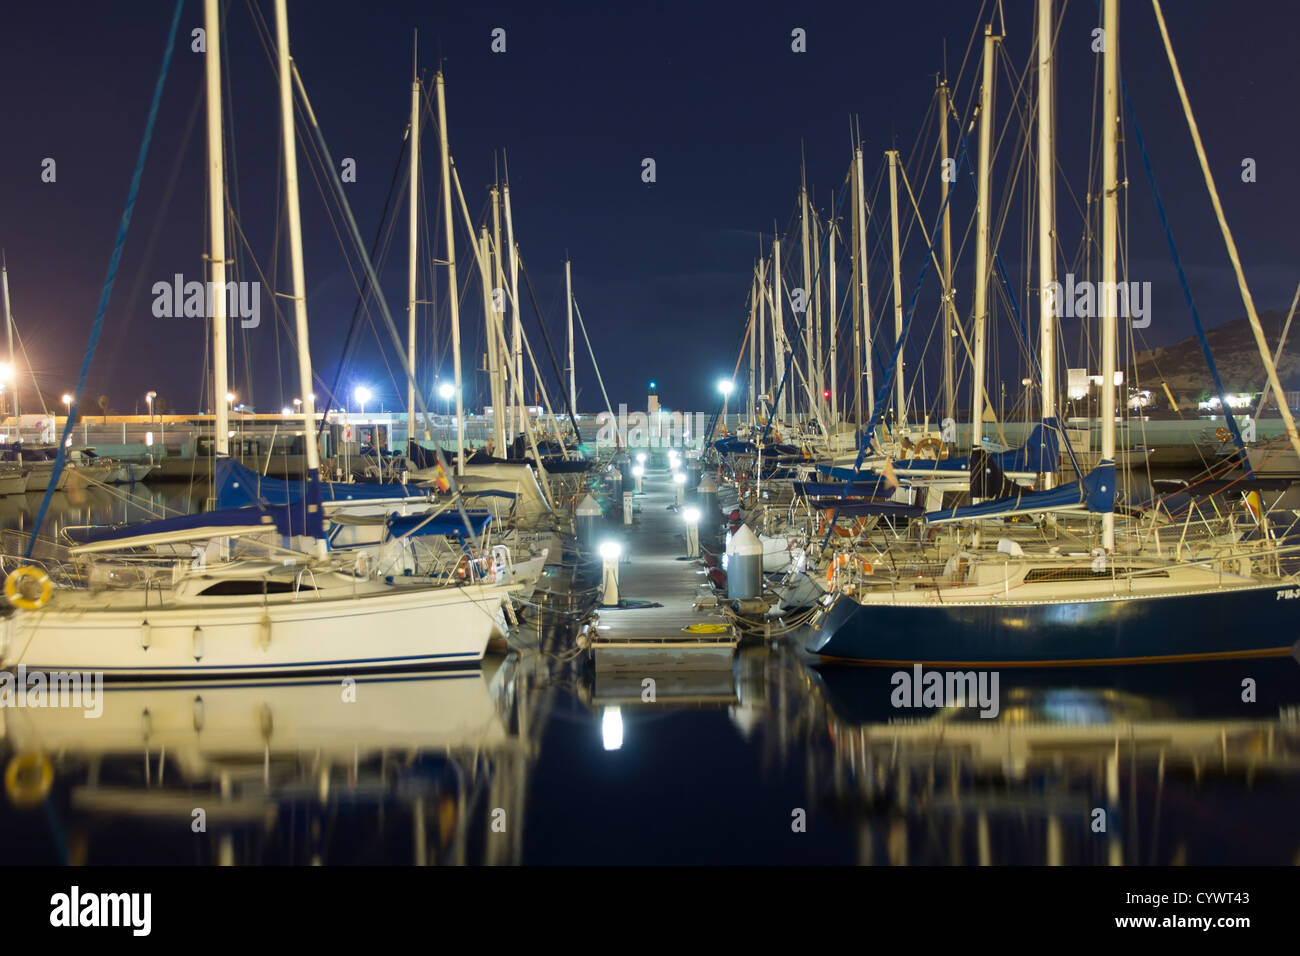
pixel 28 588
pixel 196 642
pixel 146 634
pixel 28 778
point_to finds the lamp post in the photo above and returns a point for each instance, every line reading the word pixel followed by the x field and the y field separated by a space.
pixel 725 386
pixel 692 518
pixel 679 479
pixel 610 552
pixel 362 395
pixel 149 397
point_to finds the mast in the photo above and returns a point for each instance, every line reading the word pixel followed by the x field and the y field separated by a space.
pixel 13 367
pixel 753 344
pixel 809 375
pixel 413 249
pixel 865 365
pixel 900 392
pixel 834 415
pixel 1109 244
pixel 949 294
pixel 217 217
pixel 779 345
pixel 568 304
pixel 516 334
pixel 818 373
pixel 982 238
pixel 491 326
pixel 1046 219
pixel 299 293
pixel 504 361
pixel 760 272
pixel 451 270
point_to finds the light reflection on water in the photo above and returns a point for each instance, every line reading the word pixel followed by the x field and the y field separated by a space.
pixel 534 761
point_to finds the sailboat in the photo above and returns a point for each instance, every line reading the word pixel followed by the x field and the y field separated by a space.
pixel 261 593
pixel 1067 607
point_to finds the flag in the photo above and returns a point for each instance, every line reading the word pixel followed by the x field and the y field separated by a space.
pixel 440 479
pixel 891 479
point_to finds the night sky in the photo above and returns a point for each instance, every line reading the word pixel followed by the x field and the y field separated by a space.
pixel 712 92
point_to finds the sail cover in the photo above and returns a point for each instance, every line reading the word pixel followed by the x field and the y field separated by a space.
pixel 1095 492
pixel 238 487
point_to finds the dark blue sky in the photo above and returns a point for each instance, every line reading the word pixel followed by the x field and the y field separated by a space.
pixel 712 92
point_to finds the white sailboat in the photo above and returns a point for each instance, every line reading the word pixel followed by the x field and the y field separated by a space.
pixel 281 604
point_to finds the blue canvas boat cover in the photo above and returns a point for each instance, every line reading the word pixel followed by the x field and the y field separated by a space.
pixel 1095 492
pixel 238 487
pixel 447 523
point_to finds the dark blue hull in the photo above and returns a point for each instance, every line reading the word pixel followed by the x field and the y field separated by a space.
pixel 1259 622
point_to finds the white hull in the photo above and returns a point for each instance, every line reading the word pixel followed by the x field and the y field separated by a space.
pixel 13 484
pixel 392 628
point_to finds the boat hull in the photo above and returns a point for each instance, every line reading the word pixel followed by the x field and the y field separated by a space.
pixel 396 629
pixel 1238 622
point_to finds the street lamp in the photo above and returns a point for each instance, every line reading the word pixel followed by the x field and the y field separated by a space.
pixel 149 397
pixel 725 386
pixel 67 404
pixel 230 400
pixel 362 395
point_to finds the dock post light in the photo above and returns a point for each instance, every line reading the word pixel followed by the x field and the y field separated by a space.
pixel 692 518
pixel 610 552
pixel 679 480
pixel 638 472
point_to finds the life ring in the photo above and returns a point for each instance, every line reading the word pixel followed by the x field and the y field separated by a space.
pixel 28 779
pixel 940 450
pixel 1222 434
pixel 28 588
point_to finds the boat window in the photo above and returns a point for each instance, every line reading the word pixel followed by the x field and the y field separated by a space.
pixel 237 588
pixel 1036 575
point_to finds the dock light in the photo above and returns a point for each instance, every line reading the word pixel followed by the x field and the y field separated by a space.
pixel 362 395
pixel 230 398
pixel 67 402
pixel 679 479
pixel 446 391
pixel 610 552
pixel 638 472
pixel 611 728
pixel 725 386
pixel 285 411
pixel 640 458
pixel 692 518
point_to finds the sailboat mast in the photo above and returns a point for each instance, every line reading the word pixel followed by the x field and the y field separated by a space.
pixel 779 345
pixel 860 207
pixel 13 367
pixel 760 273
pixel 833 331
pixel 900 391
pixel 516 335
pixel 568 304
pixel 809 375
pixel 503 362
pixel 1109 244
pixel 1046 219
pixel 413 249
pixel 753 344
pixel 491 325
pixel 982 238
pixel 217 218
pixel 949 304
pixel 453 288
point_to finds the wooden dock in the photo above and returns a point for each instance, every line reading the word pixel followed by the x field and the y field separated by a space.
pixel 674 633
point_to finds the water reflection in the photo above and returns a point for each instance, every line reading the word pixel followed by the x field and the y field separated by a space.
pixel 538 758
pixel 103 504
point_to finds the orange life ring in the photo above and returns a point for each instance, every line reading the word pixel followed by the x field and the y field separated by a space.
pixel 1222 434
